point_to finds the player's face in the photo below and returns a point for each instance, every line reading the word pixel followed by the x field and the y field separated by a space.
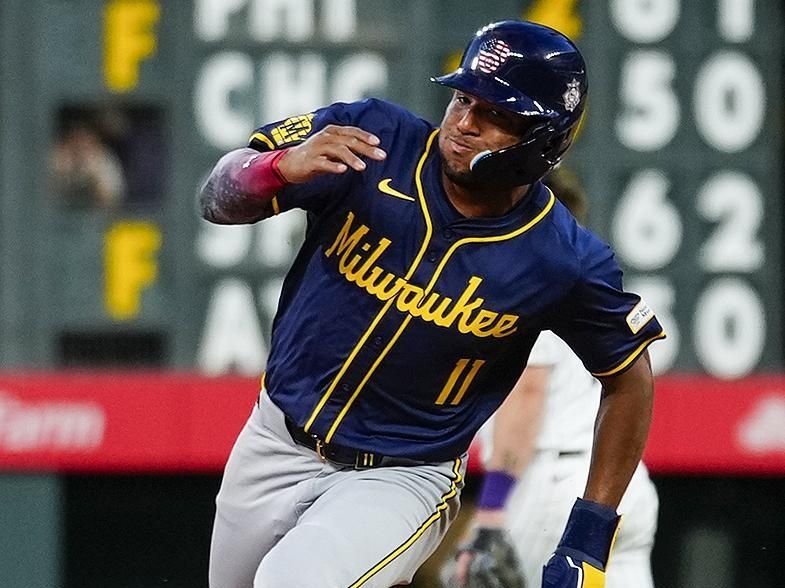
pixel 472 125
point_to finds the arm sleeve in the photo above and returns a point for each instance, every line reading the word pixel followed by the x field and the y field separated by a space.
pixel 605 326
pixel 312 196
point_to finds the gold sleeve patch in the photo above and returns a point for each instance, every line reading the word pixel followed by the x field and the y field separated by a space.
pixel 639 316
pixel 293 129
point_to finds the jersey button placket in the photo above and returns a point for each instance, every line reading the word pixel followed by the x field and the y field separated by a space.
pixel 359 369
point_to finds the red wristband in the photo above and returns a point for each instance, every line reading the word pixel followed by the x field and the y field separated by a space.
pixel 261 175
pixel 274 164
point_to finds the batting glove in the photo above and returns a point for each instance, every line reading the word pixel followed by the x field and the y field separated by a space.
pixel 582 556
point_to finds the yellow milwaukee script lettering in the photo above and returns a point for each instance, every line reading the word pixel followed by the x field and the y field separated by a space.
pixel 357 259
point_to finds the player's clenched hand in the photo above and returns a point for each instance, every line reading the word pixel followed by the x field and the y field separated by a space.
pixel 333 150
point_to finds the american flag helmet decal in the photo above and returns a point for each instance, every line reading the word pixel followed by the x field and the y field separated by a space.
pixel 493 53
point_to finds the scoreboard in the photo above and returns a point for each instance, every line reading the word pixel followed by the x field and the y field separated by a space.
pixel 681 154
pixel 685 140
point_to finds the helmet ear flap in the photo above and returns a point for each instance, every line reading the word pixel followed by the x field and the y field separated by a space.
pixel 557 145
pixel 527 161
pixel 561 140
pixel 518 165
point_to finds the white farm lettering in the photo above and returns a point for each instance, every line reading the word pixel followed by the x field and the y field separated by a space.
pixel 62 425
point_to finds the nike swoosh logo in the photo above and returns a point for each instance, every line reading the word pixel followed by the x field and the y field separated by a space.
pixel 385 188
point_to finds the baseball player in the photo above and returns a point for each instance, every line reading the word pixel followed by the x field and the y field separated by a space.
pixel 544 429
pixel 432 260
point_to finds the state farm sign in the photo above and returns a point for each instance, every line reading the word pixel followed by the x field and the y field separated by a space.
pixel 183 422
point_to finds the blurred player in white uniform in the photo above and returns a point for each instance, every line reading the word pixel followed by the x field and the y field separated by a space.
pixel 555 473
pixel 537 450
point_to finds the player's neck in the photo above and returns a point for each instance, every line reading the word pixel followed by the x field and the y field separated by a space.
pixel 473 203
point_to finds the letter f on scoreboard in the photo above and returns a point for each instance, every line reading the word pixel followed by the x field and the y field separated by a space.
pixel 129 39
pixel 131 266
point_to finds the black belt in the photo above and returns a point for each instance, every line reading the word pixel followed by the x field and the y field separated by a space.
pixel 345 456
pixel 571 453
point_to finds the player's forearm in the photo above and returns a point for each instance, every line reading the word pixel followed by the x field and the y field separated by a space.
pixel 240 187
pixel 517 422
pixel 515 428
pixel 621 430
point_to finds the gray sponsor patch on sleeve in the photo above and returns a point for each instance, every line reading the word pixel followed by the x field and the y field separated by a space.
pixel 639 316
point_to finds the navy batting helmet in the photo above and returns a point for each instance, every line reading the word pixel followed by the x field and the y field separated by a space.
pixel 531 70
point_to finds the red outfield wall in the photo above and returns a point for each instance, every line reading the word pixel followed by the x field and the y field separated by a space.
pixel 169 422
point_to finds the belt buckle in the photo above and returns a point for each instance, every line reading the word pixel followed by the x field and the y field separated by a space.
pixel 364 459
pixel 320 449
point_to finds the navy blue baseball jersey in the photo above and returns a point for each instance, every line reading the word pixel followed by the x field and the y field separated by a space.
pixel 402 325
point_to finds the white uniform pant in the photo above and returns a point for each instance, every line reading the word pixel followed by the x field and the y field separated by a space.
pixel 539 506
pixel 287 519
